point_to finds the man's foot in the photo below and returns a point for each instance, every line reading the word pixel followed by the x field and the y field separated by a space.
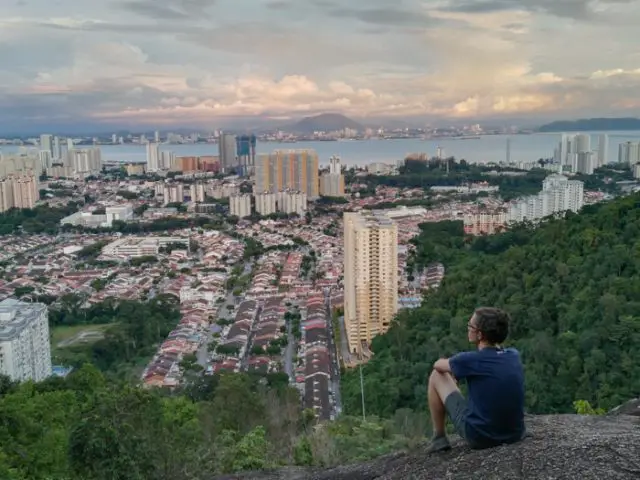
pixel 439 444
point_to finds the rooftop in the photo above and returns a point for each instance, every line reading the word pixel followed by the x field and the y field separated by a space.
pixel 16 315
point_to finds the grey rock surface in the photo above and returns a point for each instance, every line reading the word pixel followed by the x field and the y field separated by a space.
pixel 632 407
pixel 560 447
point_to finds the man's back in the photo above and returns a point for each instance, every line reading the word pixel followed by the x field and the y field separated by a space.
pixel 496 394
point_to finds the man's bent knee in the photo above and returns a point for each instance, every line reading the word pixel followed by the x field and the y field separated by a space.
pixel 443 383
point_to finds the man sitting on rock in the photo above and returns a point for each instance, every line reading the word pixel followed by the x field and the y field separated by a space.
pixel 494 413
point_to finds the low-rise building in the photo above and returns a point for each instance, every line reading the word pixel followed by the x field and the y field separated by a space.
pixel 139 246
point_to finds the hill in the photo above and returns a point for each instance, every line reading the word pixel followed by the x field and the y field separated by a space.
pixel 563 446
pixel 326 122
pixel 571 287
pixel 592 124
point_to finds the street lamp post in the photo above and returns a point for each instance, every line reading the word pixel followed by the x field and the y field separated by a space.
pixel 364 415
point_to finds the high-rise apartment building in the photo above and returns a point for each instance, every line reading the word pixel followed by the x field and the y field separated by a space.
pixel 587 162
pixel 332 182
pixel 629 153
pixel 19 191
pixel 25 352
pixel 57 150
pixel 569 149
pixel 295 170
pixel 559 194
pixel 85 161
pixel 46 144
pixel 197 192
pixel 167 160
pixel 173 193
pixel 285 202
pixel 603 149
pixel 227 147
pixel 246 153
pixel 240 205
pixel 266 203
pixel 45 159
pixel 153 157
pixel 370 277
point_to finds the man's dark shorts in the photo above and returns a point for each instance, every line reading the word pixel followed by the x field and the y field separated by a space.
pixel 456 406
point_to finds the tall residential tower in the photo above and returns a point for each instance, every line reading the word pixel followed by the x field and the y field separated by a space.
pixel 295 170
pixel 370 277
pixel 25 352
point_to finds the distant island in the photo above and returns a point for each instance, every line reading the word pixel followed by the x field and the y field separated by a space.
pixel 326 122
pixel 592 124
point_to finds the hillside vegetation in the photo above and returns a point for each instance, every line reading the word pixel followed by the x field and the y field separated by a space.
pixel 571 287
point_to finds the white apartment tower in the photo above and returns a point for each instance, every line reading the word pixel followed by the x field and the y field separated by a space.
pixel 25 352
pixel 85 161
pixel 570 147
pixel 228 152
pixel 266 203
pixel 153 157
pixel 197 192
pixel 45 159
pixel 332 183
pixel 629 153
pixel 46 144
pixel 240 205
pixel 603 149
pixel 173 193
pixel 370 277
pixel 559 194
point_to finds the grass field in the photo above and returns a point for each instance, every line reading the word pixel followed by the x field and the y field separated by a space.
pixel 67 336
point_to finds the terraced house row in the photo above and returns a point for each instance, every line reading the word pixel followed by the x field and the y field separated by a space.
pixel 317 358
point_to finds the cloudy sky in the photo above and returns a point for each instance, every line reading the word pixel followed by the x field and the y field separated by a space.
pixel 212 62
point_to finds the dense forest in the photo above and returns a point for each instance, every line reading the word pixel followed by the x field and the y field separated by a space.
pixel 571 287
pixel 86 427
pixel 134 329
pixel 41 219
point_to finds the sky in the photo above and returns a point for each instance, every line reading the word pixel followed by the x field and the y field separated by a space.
pixel 212 63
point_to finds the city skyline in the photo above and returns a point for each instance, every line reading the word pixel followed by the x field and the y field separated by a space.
pixel 221 63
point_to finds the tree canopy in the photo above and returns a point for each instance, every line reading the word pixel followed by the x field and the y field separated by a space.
pixel 571 288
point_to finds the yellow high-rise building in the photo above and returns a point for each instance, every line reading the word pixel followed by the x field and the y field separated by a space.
pixel 295 170
pixel 370 277
pixel 19 191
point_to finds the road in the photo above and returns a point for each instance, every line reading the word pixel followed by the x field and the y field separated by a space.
pixel 344 347
pixel 223 312
pixel 203 353
pixel 335 365
pixel 288 354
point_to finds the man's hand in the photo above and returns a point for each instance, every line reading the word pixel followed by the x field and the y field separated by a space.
pixel 442 366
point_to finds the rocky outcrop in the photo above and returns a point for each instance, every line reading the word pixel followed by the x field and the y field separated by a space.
pixel 632 407
pixel 560 447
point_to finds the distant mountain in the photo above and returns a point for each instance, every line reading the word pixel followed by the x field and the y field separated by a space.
pixel 592 124
pixel 326 122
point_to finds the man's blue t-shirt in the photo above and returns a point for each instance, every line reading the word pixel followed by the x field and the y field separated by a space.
pixel 496 393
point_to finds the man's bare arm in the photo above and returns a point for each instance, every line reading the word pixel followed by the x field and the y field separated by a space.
pixel 442 366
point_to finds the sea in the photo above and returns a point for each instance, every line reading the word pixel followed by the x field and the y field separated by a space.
pixel 486 148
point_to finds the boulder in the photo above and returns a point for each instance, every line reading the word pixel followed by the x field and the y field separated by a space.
pixel 560 447
pixel 632 407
